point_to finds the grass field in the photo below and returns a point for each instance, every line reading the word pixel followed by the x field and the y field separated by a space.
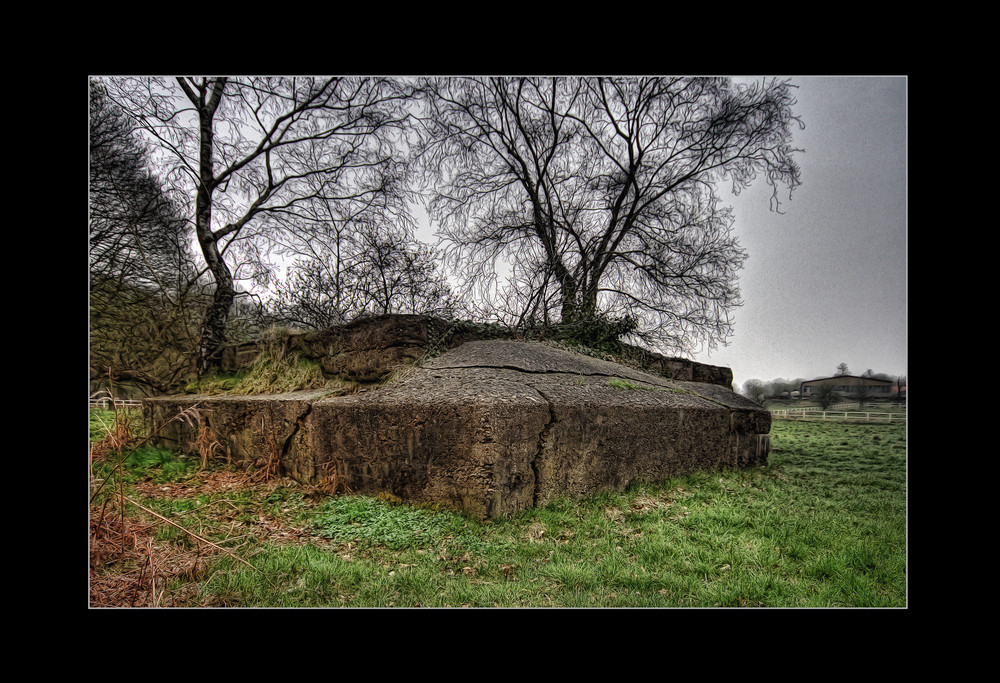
pixel 823 525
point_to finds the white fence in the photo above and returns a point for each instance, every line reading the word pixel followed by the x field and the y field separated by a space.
pixel 105 402
pixel 861 406
pixel 842 415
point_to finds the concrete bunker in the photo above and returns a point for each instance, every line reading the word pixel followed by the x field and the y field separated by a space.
pixel 489 427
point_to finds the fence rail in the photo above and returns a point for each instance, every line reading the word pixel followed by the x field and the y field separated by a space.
pixel 842 415
pixel 861 406
pixel 105 402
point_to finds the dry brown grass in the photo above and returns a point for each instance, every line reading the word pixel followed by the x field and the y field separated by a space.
pixel 128 568
pixel 269 464
pixel 330 481
pixel 207 442
pixel 120 435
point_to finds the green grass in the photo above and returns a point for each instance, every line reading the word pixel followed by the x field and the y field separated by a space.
pixel 139 461
pixel 102 421
pixel 275 370
pixel 823 525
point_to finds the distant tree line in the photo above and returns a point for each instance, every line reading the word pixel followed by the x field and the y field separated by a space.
pixel 220 206
pixel 777 388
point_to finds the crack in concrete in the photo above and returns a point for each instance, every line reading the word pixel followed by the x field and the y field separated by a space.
pixel 526 371
pixel 299 421
pixel 543 438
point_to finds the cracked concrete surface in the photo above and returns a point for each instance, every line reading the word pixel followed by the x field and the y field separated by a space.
pixel 494 427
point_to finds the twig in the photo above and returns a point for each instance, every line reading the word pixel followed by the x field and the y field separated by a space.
pixel 189 532
pixel 152 570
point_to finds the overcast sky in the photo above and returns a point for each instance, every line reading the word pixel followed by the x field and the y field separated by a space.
pixel 825 281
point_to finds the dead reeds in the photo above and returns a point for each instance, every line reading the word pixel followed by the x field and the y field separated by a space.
pixel 126 568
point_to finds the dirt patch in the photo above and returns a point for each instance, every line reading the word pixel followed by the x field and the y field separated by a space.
pixel 209 484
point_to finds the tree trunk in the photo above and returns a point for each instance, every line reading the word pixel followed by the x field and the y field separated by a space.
pixel 579 302
pixel 567 286
pixel 213 333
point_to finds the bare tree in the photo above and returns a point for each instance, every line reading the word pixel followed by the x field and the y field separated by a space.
pixel 247 151
pixel 604 190
pixel 825 394
pixel 395 276
pixel 863 391
pixel 368 270
pixel 755 390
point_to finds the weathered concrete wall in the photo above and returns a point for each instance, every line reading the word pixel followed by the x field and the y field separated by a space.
pixel 609 425
pixel 490 428
pixel 466 441
pixel 246 429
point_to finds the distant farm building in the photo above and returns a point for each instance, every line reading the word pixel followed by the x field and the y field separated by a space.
pixel 850 386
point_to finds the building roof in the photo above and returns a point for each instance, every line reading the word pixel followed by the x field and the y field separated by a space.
pixel 839 377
